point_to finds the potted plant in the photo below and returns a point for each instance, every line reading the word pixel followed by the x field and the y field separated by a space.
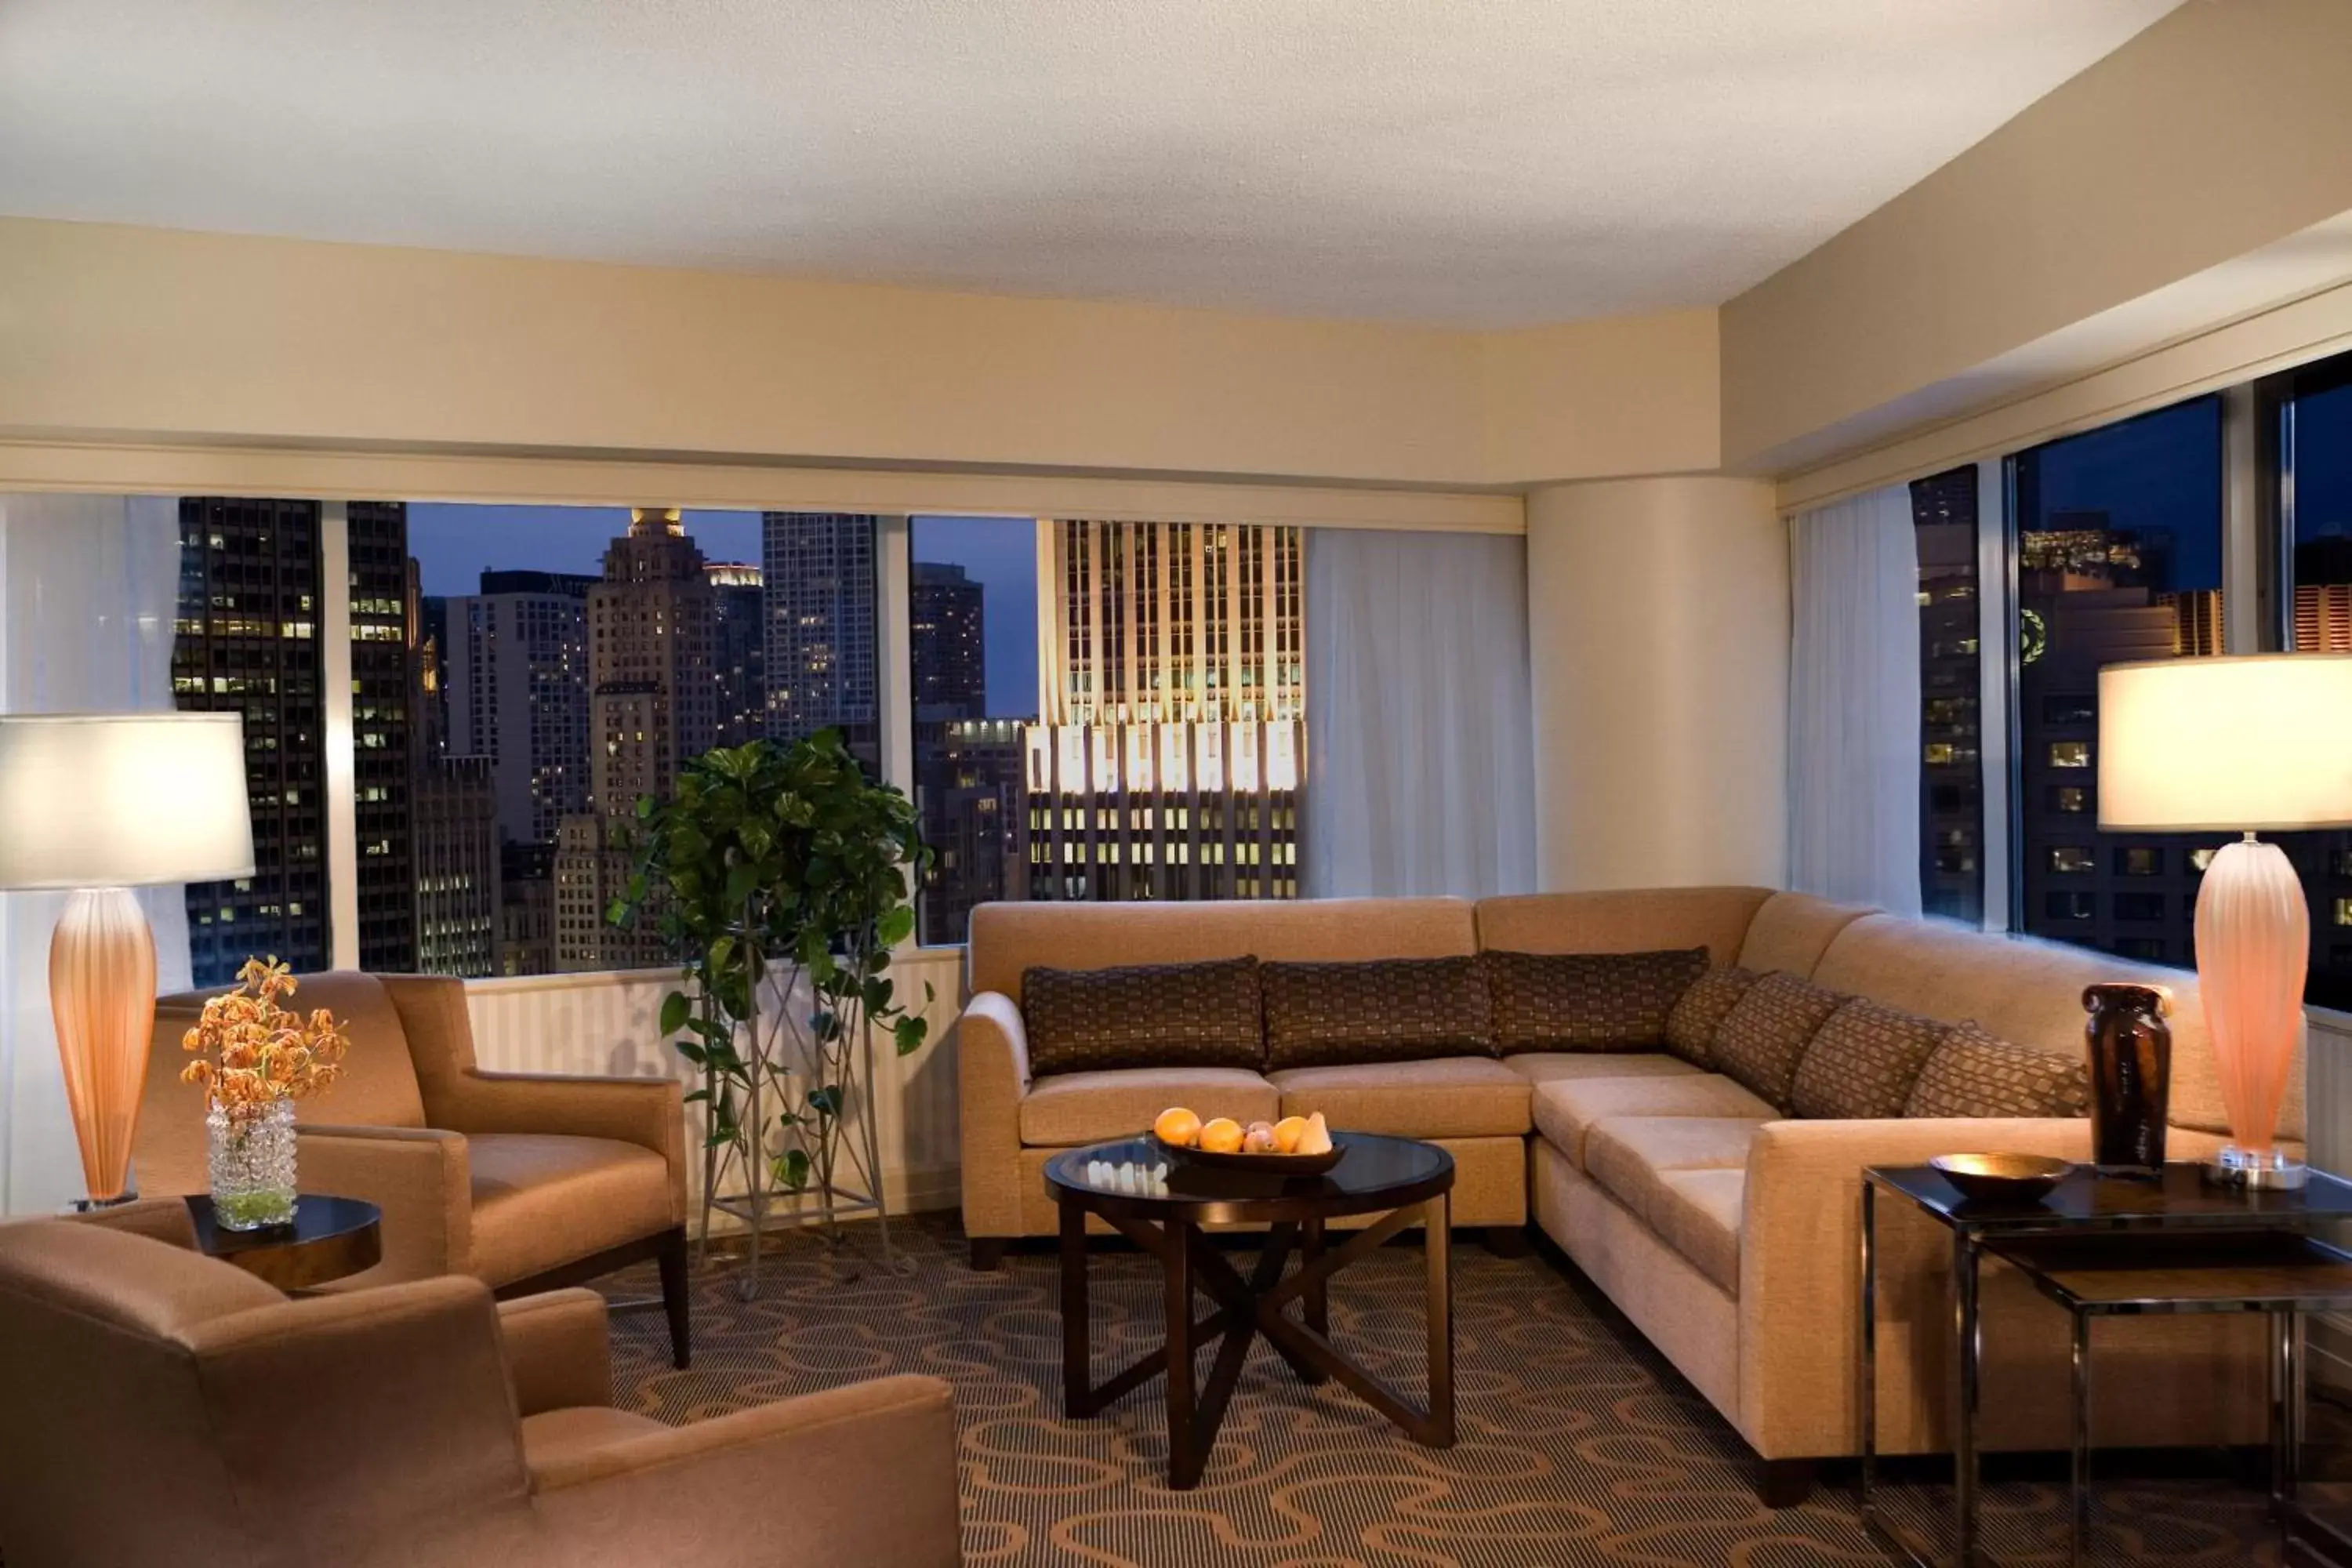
pixel 785 877
pixel 255 1059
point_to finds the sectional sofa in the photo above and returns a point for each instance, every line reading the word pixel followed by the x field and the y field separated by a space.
pixel 1722 1223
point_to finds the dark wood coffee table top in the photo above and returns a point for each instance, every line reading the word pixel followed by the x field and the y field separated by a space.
pixel 1375 1173
pixel 331 1238
pixel 2179 1197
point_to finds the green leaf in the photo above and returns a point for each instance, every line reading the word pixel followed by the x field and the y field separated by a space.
pixel 742 881
pixel 825 1102
pixel 896 926
pixel 909 1032
pixel 673 1013
pixel 792 1170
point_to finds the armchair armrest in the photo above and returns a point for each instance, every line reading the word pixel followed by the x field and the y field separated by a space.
pixel 862 1474
pixel 991 1078
pixel 1799 1251
pixel 559 1349
pixel 647 1112
pixel 418 1175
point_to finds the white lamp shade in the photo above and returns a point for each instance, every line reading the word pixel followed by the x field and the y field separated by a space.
pixel 107 800
pixel 2258 744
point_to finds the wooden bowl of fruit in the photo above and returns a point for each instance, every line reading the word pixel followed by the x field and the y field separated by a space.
pixel 1294 1146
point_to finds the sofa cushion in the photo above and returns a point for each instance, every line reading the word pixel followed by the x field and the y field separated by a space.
pixel 1074 1108
pixel 542 1199
pixel 1973 1073
pixel 1566 1109
pixel 1550 1066
pixel 1864 1061
pixel 1585 1001
pixel 1646 1162
pixel 1691 1026
pixel 1765 1035
pixel 1388 1010
pixel 1449 1096
pixel 1144 1016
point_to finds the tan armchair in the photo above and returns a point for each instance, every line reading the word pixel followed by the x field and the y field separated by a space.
pixel 527 1182
pixel 166 1408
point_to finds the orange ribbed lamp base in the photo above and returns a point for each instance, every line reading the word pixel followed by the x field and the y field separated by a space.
pixel 2254 944
pixel 102 999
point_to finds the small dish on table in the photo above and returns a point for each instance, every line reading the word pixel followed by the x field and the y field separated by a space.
pixel 2002 1178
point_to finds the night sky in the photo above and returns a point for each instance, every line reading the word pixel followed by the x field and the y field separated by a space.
pixel 454 544
pixel 2158 474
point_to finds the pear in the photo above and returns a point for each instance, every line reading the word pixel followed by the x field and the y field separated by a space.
pixel 1317 1138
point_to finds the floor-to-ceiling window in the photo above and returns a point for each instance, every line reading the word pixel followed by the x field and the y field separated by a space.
pixel 1951 711
pixel 2119 556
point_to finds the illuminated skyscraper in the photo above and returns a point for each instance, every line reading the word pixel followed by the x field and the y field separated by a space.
pixel 453 807
pixel 516 685
pixel 946 629
pixel 822 663
pixel 1168 759
pixel 739 652
pixel 652 704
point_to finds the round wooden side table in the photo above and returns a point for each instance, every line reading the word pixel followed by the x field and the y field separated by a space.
pixel 331 1238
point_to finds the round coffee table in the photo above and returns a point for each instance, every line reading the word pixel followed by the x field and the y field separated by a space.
pixel 331 1238
pixel 1400 1179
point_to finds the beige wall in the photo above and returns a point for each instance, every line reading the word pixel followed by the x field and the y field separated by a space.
pixel 1658 627
pixel 153 335
pixel 2221 130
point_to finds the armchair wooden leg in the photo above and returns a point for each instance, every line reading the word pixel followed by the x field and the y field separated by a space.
pixel 1784 1483
pixel 675 1303
pixel 987 1254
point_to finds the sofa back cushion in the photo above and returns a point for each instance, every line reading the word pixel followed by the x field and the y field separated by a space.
pixel 1864 1062
pixel 1388 1010
pixel 1792 931
pixel 1585 1001
pixel 1764 1036
pixel 1144 1016
pixel 1010 939
pixel 2029 993
pixel 1974 1073
pixel 1644 920
pixel 1691 1026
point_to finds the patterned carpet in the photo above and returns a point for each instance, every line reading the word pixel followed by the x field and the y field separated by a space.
pixel 1579 1444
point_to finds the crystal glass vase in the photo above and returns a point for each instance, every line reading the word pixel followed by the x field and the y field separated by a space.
pixel 252 1154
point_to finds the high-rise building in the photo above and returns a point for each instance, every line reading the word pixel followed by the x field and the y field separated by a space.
pixel 251 602
pixel 948 642
pixel 516 683
pixel 452 820
pixel 1170 757
pixel 969 790
pixel 822 662
pixel 377 543
pixel 652 704
pixel 1951 762
pixel 739 652
pixel 526 909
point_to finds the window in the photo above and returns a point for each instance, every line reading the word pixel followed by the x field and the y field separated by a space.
pixel 2313 434
pixel 971 631
pixel 2117 547
pixel 1951 779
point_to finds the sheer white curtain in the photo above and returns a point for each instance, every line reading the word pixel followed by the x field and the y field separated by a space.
pixel 89 594
pixel 1421 771
pixel 1853 702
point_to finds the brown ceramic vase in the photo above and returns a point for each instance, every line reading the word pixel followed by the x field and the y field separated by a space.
pixel 2129 1048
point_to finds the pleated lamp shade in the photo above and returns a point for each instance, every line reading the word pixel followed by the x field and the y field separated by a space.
pixel 2263 742
pixel 98 803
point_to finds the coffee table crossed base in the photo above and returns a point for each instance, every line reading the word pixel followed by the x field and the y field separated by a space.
pixel 1410 1181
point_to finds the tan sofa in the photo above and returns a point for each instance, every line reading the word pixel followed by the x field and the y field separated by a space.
pixel 1726 1231
pixel 164 1408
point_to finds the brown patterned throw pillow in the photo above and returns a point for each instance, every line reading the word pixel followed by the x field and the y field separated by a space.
pixel 1765 1034
pixel 1390 1010
pixel 1974 1073
pixel 1585 1001
pixel 1864 1062
pixel 1691 1026
pixel 1144 1016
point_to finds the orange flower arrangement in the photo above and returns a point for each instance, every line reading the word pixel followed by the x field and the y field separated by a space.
pixel 256 1053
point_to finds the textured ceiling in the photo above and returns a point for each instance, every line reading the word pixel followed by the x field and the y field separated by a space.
pixel 1467 161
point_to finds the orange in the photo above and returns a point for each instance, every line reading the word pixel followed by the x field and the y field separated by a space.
pixel 1177 1126
pixel 1222 1136
pixel 1287 1133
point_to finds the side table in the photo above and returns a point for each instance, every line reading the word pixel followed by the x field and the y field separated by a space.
pixel 331 1238
pixel 2179 1198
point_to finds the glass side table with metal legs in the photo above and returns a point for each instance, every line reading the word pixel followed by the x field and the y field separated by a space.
pixel 2178 1202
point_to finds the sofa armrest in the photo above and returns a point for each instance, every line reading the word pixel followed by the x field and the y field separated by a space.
pixel 991 1078
pixel 1801 1249
pixel 646 1111
pixel 862 1474
pixel 418 1175
pixel 559 1349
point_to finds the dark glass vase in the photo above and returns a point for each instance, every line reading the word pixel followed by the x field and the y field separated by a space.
pixel 2129 1046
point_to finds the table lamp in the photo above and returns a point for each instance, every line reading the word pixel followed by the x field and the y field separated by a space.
pixel 2237 745
pixel 97 804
